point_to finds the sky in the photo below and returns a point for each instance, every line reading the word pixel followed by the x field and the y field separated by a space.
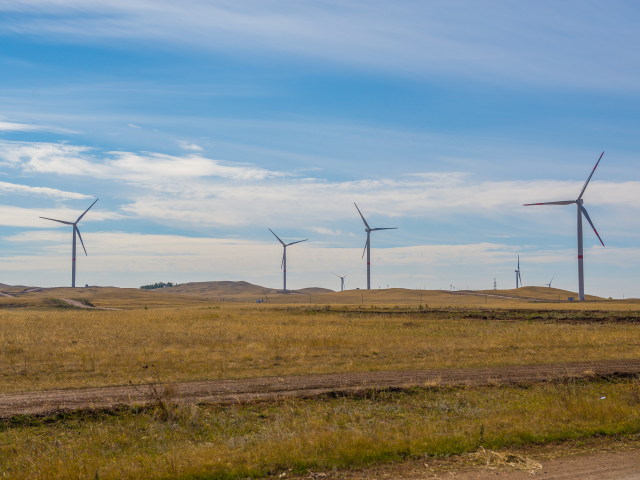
pixel 199 125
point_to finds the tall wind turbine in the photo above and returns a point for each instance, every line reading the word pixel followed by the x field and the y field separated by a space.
pixel 341 281
pixel 518 277
pixel 581 211
pixel 283 265
pixel 367 246
pixel 73 250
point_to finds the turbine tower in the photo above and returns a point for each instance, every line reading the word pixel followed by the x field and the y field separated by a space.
pixel 581 211
pixel 367 246
pixel 283 265
pixel 73 249
pixel 341 281
pixel 518 277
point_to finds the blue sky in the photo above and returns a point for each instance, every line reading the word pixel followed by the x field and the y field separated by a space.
pixel 200 124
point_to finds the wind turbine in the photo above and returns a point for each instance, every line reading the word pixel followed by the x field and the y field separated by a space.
pixel 341 280
pixel 581 211
pixel 367 246
pixel 73 250
pixel 549 284
pixel 518 277
pixel 283 265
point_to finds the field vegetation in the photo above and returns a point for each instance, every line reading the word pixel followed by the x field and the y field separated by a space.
pixel 47 344
pixel 71 347
pixel 327 435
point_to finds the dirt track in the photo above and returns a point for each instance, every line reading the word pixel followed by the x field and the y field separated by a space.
pixel 623 465
pixel 240 391
pixel 78 304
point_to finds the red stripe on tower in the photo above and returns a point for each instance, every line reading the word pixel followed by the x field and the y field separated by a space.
pixel 579 257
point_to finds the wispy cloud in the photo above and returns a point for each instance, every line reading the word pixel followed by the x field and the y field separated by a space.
pixel 6 187
pixel 198 191
pixel 131 125
pixel 143 167
pixel 26 127
pixel 550 43
pixel 189 146
pixel 11 216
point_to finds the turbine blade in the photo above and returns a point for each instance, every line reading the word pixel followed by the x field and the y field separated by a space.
pixel 365 249
pixel 282 263
pixel 554 276
pixel 60 221
pixel 365 222
pixel 592 172
pixel 80 217
pixel 565 202
pixel 392 228
pixel 276 236
pixel 520 278
pixel 80 236
pixel 584 210
pixel 299 241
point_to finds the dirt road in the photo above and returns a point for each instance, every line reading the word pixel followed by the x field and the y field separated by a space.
pixel 78 304
pixel 232 391
pixel 622 465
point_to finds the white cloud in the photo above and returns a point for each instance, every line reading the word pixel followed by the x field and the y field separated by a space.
pixel 6 187
pixel 25 127
pixel 325 231
pixel 195 191
pixel 125 255
pixel 143 167
pixel 131 125
pixel 189 146
pixel 11 216
pixel 553 43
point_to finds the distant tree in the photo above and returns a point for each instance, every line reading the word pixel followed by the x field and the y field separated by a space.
pixel 158 285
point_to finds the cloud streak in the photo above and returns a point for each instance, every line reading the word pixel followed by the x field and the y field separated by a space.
pixel 534 42
pixel 6 187
pixel 51 158
pixel 25 127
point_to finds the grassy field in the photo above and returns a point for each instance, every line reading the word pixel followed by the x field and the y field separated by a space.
pixel 319 435
pixel 46 344
pixel 71 348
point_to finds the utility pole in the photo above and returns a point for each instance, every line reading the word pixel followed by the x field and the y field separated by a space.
pixel 495 285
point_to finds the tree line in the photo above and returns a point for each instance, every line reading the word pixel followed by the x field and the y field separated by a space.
pixel 158 285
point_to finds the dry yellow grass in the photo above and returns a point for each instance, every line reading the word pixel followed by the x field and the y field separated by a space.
pixel 318 435
pixel 69 348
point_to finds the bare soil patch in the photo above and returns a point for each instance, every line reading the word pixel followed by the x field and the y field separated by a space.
pixel 79 304
pixel 259 389
pixel 623 465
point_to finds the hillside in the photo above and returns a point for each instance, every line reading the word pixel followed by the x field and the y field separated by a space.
pixel 229 288
pixel 543 293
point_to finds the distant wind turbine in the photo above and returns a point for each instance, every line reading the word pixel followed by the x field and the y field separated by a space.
pixel 518 277
pixel 581 211
pixel 283 265
pixel 367 246
pixel 73 250
pixel 341 280
pixel 549 284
